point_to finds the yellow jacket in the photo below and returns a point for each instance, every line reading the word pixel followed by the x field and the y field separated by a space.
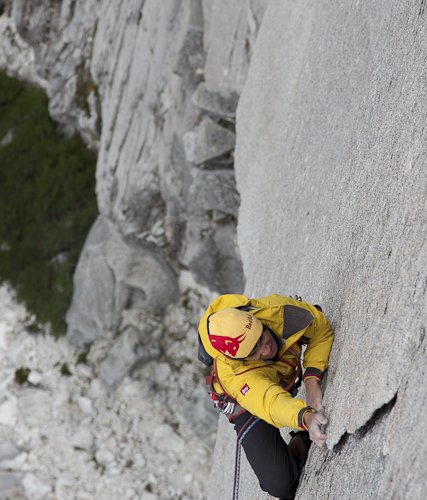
pixel 259 386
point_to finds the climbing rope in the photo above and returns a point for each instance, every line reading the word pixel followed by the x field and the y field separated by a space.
pixel 242 433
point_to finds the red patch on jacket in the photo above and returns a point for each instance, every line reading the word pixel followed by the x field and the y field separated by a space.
pixel 244 389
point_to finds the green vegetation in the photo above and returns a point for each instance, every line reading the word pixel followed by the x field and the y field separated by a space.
pixel 84 87
pixel 227 124
pixel 47 202
pixel 21 375
pixel 65 370
pixel 82 358
pixel 209 214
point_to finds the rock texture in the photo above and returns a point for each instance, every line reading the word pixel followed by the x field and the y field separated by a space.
pixel 330 162
pixel 139 81
pixel 330 165
pixel 64 434
pixel 16 55
pixel 153 87
pixel 129 280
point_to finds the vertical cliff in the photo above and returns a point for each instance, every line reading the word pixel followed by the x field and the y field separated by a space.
pixel 153 88
pixel 330 164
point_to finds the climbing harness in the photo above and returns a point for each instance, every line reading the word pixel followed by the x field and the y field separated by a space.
pixel 223 402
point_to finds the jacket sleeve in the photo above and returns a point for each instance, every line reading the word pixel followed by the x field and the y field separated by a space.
pixel 319 337
pixel 269 401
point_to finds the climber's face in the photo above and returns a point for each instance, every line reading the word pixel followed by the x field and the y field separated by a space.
pixel 265 348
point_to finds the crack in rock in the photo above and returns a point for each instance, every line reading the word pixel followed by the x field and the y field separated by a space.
pixel 361 432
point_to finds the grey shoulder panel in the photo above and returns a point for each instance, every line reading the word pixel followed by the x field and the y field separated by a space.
pixel 295 319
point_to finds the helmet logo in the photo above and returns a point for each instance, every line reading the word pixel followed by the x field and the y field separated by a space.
pixel 226 344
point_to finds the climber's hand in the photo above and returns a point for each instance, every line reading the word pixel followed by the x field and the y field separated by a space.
pixel 313 422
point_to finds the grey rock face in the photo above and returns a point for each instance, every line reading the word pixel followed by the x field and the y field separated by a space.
pixel 385 459
pixel 329 162
pixel 34 406
pixel 153 86
pixel 61 37
pixel 132 348
pixel 11 483
pixel 213 203
pixel 212 141
pixel 93 311
pixel 223 273
pixel 214 103
pixel 236 26
pixel 214 192
pixel 127 277
pixel 200 413
pixel 147 84
pixel 8 452
pixel 190 58
pixel 111 442
pixel 16 55
pixel 137 65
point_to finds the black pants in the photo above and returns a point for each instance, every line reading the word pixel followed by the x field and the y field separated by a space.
pixel 268 455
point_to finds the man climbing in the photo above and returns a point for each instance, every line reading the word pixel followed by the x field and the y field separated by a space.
pixel 256 347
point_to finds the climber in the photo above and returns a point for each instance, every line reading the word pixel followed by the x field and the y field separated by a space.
pixel 255 346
